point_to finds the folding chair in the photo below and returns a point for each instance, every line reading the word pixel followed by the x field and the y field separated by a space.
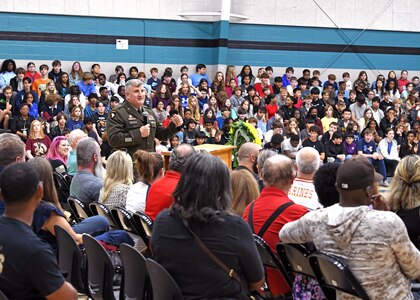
pixel 100 271
pixel 163 285
pixel 295 259
pixel 333 274
pixel 136 281
pixel 269 259
pixel 70 259
pixel 144 224
pixel 103 210
pixel 79 210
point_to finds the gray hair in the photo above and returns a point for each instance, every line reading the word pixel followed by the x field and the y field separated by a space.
pixel 133 82
pixel 74 137
pixel 278 171
pixel 11 149
pixel 264 154
pixel 179 157
pixel 307 160
pixel 85 150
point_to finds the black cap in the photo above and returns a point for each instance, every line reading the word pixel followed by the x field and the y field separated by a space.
pixel 356 173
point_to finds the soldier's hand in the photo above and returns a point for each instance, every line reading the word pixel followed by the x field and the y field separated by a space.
pixel 177 120
pixel 145 130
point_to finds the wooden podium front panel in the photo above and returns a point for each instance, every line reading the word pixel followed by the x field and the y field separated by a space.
pixel 222 151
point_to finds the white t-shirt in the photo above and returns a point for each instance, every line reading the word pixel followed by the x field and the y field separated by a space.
pixel 286 145
pixel 136 197
pixel 302 192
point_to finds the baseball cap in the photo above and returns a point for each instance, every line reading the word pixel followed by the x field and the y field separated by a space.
pixel 356 173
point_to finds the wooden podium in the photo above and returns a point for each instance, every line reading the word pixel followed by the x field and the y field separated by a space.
pixel 222 151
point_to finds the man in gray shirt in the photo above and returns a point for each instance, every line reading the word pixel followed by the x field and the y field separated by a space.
pixel 88 181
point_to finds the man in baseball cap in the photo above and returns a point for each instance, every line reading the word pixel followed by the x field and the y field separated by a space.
pixel 373 243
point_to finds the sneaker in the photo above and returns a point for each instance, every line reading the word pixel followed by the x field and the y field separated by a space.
pixel 384 183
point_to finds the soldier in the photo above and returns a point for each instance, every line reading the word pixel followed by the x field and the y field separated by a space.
pixel 133 126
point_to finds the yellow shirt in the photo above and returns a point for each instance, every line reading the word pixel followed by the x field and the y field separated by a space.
pixel 326 123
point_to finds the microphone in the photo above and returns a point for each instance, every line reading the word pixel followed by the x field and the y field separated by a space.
pixel 145 116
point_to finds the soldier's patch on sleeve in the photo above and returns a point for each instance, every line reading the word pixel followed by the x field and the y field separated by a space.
pixel 112 115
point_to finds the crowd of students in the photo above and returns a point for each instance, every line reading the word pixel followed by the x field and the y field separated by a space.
pixel 338 117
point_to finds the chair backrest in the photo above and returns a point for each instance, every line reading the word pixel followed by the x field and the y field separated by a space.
pixel 147 223
pixel 136 279
pixel 331 273
pixel 70 258
pixel 125 220
pixel 79 209
pixel 295 258
pixel 269 259
pixel 163 285
pixel 100 270
pixel 62 184
pixel 140 224
pixel 103 210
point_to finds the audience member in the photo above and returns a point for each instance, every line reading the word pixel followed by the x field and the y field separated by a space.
pixel 244 190
pixel 404 195
pixel 149 168
pixel 160 196
pixel 302 191
pixel 247 157
pixel 118 180
pixel 206 217
pixel 29 267
pixel 278 174
pixel 74 137
pixel 324 183
pixel 373 243
pixel 88 180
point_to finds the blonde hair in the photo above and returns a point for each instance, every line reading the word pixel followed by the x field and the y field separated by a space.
pixel 32 134
pixel 405 186
pixel 195 111
pixel 119 170
pixel 230 73
pixel 244 190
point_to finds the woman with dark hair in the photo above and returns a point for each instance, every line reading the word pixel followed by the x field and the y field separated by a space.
pixel 313 115
pixel 378 134
pixel 362 78
pixel 63 84
pixel 246 70
pixel 7 72
pixel 21 123
pixel 391 86
pixel 210 218
pixel 162 93
pixel 149 167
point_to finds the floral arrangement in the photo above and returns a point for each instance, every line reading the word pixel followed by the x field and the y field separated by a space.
pixel 240 133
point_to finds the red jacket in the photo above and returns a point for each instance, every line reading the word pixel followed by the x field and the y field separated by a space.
pixel 159 196
pixel 269 200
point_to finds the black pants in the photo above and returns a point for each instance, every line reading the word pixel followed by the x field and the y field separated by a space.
pixel 390 165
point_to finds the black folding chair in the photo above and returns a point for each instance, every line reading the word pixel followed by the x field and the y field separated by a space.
pixel 70 259
pixel 78 209
pixel 124 220
pixel 269 259
pixel 332 274
pixel 100 271
pixel 163 285
pixel 103 210
pixel 295 259
pixel 145 226
pixel 136 281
